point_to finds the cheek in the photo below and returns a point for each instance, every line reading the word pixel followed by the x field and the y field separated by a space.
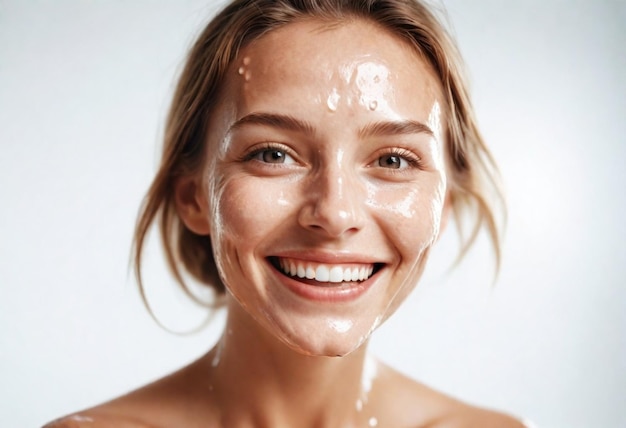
pixel 248 209
pixel 247 214
pixel 411 212
pixel 413 218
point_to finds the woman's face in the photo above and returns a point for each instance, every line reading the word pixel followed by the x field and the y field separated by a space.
pixel 326 181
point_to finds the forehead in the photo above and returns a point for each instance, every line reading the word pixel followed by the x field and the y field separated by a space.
pixel 321 43
pixel 338 78
pixel 351 56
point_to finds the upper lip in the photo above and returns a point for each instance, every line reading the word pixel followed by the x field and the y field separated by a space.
pixel 329 257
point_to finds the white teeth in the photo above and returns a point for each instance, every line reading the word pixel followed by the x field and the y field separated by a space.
pixel 336 274
pixel 292 268
pixel 300 272
pixel 326 273
pixel 322 274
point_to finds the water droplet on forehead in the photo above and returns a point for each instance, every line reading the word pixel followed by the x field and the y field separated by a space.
pixel 373 105
pixel 241 70
pixel 246 60
pixel 373 422
pixel 332 102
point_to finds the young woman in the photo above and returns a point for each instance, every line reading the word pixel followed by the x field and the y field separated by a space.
pixel 313 154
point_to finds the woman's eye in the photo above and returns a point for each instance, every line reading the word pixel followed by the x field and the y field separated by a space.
pixel 392 161
pixel 273 156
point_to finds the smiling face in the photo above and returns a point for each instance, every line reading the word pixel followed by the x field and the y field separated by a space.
pixel 325 183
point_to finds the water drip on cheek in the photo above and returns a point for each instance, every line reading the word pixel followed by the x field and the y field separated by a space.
pixel 434 122
pixel 373 105
pixel 436 211
pixel 282 200
pixel 405 207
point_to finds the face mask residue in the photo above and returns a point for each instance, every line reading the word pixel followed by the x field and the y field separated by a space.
pixel 334 187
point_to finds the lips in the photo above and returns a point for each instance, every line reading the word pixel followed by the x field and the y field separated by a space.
pixel 326 280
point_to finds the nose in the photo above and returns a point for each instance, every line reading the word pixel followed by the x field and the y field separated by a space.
pixel 335 203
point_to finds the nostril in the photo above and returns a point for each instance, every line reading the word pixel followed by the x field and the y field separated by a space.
pixel 332 210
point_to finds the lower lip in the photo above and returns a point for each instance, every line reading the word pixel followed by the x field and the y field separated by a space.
pixel 326 293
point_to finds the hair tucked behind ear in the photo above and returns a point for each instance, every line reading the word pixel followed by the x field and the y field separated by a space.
pixel 474 184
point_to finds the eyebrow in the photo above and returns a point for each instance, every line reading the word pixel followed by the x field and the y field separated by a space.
pixel 281 121
pixel 290 123
pixel 401 127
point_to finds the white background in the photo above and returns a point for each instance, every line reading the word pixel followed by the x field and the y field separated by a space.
pixel 84 86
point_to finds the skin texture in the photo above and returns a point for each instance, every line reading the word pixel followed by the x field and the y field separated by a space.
pixel 326 149
pixel 329 201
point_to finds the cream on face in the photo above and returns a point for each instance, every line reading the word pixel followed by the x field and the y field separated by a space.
pixel 326 181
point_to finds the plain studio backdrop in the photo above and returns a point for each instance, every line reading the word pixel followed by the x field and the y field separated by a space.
pixel 84 88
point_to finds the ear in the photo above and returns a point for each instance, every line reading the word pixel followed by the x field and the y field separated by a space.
pixel 191 205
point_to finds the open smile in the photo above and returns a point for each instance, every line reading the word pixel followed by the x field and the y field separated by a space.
pixel 325 273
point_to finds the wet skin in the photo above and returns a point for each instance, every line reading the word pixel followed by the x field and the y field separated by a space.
pixel 323 193
pixel 325 159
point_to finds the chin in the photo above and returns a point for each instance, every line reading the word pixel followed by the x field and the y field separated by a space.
pixel 326 344
pixel 325 350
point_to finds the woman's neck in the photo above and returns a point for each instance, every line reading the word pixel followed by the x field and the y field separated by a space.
pixel 259 381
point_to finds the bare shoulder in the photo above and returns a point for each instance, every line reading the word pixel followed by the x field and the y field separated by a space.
pixel 163 403
pixel 128 411
pixel 422 406
pixel 470 416
pixel 94 419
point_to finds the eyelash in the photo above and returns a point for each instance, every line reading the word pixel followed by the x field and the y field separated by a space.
pixel 251 154
pixel 411 158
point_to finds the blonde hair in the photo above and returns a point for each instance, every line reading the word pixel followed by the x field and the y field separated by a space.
pixel 474 190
